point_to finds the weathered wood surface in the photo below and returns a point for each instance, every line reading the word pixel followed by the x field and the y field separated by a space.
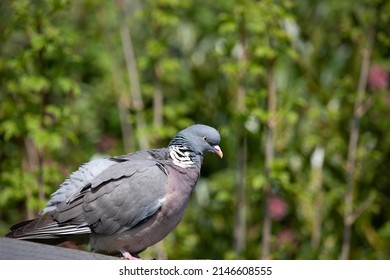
pixel 14 249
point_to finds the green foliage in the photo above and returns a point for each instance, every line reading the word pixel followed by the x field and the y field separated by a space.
pixel 63 82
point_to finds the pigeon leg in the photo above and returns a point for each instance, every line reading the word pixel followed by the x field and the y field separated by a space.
pixel 129 256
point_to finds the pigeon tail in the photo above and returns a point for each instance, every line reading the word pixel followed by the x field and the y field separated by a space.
pixel 46 230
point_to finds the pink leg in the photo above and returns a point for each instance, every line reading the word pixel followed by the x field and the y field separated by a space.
pixel 129 256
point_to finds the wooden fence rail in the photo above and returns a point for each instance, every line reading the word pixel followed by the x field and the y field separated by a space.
pixel 14 249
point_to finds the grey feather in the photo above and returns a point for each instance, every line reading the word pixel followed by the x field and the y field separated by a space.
pixel 119 205
pixel 76 181
pixel 125 203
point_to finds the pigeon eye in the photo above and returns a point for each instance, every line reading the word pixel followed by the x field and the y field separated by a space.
pixel 204 138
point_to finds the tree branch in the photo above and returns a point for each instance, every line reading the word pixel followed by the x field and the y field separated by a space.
pixel 241 142
pixel 269 157
pixel 353 143
pixel 134 80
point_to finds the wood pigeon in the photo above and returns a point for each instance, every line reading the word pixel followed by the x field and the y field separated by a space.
pixel 125 203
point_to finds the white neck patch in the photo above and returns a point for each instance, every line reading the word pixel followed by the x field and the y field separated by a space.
pixel 180 158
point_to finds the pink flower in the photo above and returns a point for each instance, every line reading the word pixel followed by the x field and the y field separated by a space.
pixel 378 77
pixel 286 237
pixel 277 208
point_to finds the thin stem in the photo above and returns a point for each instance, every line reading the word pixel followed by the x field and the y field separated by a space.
pixel 352 146
pixel 133 76
pixel 269 157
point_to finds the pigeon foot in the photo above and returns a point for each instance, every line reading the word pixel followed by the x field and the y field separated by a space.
pixel 129 256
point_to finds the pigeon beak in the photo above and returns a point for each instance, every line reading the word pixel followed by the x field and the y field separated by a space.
pixel 218 151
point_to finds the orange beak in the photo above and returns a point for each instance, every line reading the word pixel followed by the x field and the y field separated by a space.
pixel 218 151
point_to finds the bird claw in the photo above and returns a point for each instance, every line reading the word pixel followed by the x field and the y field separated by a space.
pixel 129 256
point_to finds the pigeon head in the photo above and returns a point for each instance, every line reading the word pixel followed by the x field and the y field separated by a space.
pixel 199 139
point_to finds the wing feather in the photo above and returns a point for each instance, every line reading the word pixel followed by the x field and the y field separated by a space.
pixel 117 205
pixel 119 198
